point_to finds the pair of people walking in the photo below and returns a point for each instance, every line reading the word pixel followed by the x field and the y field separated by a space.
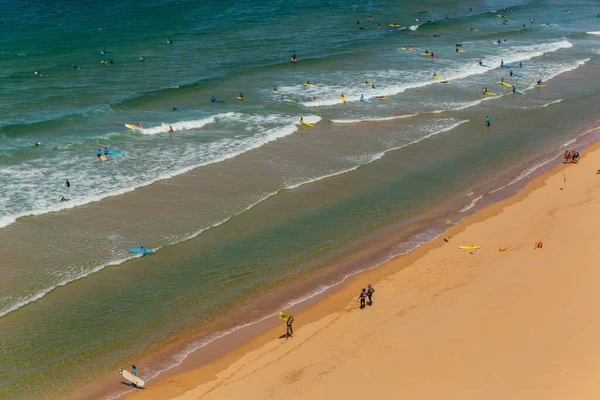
pixel 366 294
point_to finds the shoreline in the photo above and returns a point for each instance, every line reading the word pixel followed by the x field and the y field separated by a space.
pixel 187 376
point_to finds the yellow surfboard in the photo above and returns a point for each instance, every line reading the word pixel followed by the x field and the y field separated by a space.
pixel 437 78
pixel 284 315
pixel 490 94
pixel 288 100
pixel 407 49
pixel 461 51
pixel 275 91
pixel 541 86
pixel 240 98
pixel 102 158
pixel 308 84
pixel 469 247
pixel 130 126
pixel 342 98
pixel 306 123
pixel 446 82
pixel 381 97
pixel 505 84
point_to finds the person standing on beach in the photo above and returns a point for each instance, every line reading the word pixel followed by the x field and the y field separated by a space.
pixel 370 292
pixel 488 120
pixel 290 331
pixel 362 296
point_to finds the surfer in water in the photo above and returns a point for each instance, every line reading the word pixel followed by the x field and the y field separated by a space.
pixel 426 51
pixel 514 89
pixel 480 62
pixel 539 82
pixel 169 42
pixel 241 95
pixel 75 66
pixel 282 98
pixel 520 64
pixel 294 57
pixel 501 63
pixel 137 125
pixel 511 73
pixel 170 128
pixel 37 144
pixel 67 183
pixel 38 73
pixel 105 151
pixel 143 58
pixel 99 153
pixel 212 99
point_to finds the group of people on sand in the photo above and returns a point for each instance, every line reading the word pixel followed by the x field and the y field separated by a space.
pixel 571 157
pixel 365 297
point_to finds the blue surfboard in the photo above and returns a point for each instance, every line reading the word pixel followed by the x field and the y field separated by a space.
pixel 365 100
pixel 115 153
pixel 523 93
pixel 486 66
pixel 139 250
pixel 517 75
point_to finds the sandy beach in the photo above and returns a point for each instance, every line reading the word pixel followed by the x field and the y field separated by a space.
pixel 518 323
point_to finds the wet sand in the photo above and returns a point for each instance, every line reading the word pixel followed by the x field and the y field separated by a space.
pixel 445 322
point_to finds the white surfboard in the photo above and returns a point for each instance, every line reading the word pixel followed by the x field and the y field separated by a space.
pixel 132 378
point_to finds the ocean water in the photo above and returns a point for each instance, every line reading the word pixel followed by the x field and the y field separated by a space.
pixel 241 200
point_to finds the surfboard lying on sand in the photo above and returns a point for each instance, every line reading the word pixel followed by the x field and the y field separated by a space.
pixel 469 247
pixel 139 382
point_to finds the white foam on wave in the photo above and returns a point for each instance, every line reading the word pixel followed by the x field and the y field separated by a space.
pixel 570 142
pixel 414 80
pixel 354 121
pixel 471 204
pixel 593 33
pixel 231 150
pixel 551 103
pixel 21 302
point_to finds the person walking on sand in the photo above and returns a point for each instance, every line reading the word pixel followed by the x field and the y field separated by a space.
pixel 370 292
pixel 488 120
pixel 134 373
pixel 362 296
pixel 289 331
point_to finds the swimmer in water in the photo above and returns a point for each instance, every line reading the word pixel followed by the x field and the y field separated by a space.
pixel 143 58
pixel 75 66
pixel 169 42
pixel 38 73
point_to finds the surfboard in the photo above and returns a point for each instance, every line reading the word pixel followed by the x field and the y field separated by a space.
pixel 490 94
pixel 306 123
pixel 381 98
pixel 437 78
pixel 294 60
pixel 308 84
pixel 284 315
pixel 461 51
pixel 342 98
pixel 115 153
pixel 139 250
pixel 469 247
pixel 518 91
pixel 288 100
pixel 446 82
pixel 132 378
pixel 541 86
pixel 484 65
pixel 102 158
pixel 275 91
pixel 130 126
pixel 394 25
pixel 240 98
pixel 426 54
pixel 407 49
pixel 365 100
pixel 506 84
pixel 506 66
pixel 517 75
pixel 178 109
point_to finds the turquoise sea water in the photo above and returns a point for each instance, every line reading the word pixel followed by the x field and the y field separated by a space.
pixel 240 200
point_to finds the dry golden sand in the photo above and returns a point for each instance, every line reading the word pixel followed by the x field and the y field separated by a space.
pixel 519 324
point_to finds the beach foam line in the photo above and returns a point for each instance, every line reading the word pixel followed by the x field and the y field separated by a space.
pixel 42 293
pixel 471 204
pixel 593 33
pixel 267 137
